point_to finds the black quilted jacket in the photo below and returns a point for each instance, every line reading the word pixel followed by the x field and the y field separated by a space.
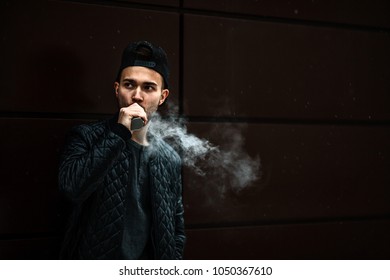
pixel 94 174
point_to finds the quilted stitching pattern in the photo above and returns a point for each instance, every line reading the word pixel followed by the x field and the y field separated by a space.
pixel 84 177
pixel 167 197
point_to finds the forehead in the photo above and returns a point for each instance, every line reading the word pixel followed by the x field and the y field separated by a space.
pixel 141 74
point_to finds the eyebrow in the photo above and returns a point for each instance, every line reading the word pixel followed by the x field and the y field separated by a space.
pixel 147 83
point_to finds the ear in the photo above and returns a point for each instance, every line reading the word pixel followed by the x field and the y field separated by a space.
pixel 164 95
pixel 116 88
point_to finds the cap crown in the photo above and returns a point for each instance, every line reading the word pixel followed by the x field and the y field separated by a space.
pixel 145 54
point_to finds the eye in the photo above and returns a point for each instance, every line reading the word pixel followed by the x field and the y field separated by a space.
pixel 150 88
pixel 128 84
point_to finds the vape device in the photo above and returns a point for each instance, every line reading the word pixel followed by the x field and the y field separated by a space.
pixel 137 123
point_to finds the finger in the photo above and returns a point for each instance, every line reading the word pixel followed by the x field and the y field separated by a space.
pixel 139 111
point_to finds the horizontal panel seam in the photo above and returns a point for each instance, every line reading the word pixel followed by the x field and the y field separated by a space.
pixel 195 119
pixel 232 15
pixel 303 222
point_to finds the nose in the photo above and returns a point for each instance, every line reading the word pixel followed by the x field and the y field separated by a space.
pixel 137 95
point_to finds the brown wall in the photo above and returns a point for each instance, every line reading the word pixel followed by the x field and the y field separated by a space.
pixel 306 82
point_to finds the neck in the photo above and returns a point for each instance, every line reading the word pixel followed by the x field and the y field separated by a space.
pixel 140 136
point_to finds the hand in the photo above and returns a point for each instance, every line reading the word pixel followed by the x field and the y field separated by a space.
pixel 126 114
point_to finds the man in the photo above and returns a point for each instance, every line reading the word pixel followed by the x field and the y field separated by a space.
pixel 124 183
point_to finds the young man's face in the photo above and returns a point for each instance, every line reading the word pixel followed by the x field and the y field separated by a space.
pixel 143 86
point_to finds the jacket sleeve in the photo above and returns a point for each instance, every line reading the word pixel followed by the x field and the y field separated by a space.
pixel 86 159
pixel 180 237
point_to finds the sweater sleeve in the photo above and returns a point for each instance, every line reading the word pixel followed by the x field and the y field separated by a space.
pixel 86 159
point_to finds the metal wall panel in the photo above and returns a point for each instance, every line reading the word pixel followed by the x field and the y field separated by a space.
pixel 30 150
pixel 255 69
pixel 370 13
pixel 30 248
pixel 63 57
pixel 308 172
pixel 171 3
pixel 333 241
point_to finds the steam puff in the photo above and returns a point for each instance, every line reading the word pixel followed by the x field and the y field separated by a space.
pixel 230 164
pixel 233 163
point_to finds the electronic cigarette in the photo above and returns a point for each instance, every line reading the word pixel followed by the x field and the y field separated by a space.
pixel 137 123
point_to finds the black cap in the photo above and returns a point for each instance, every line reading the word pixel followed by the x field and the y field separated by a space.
pixel 145 54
